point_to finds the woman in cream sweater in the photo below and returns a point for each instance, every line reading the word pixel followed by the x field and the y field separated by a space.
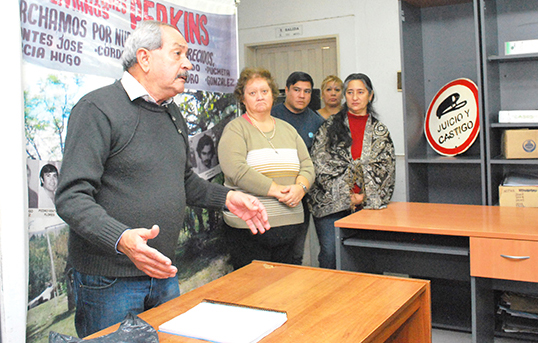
pixel 265 157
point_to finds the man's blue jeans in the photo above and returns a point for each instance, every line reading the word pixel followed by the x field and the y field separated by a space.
pixel 103 301
pixel 327 238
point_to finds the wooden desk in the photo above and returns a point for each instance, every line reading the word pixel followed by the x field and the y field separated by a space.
pixel 495 247
pixel 322 305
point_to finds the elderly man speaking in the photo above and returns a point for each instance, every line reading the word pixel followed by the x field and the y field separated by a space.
pixel 126 179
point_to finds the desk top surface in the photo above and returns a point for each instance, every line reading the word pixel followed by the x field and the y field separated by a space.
pixel 334 305
pixel 449 219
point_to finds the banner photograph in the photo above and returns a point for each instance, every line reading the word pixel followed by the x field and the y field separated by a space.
pixel 88 37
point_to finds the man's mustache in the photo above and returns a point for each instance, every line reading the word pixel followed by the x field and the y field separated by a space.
pixel 183 74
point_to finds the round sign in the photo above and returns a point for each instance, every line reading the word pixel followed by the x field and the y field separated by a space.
pixel 452 122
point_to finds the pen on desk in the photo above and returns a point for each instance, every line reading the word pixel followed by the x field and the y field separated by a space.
pixel 241 305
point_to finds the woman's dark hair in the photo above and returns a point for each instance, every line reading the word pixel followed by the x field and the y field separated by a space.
pixel 248 74
pixel 337 131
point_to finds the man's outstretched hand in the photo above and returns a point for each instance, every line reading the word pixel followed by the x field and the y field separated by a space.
pixel 134 244
pixel 250 209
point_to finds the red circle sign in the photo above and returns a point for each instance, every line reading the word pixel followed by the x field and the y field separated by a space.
pixel 453 121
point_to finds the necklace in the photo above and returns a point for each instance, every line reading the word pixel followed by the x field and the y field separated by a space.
pixel 268 138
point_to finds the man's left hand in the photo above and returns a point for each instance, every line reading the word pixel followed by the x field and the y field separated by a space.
pixel 250 209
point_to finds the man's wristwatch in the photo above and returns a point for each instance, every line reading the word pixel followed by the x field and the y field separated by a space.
pixel 304 187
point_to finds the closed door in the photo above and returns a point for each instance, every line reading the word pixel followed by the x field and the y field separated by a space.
pixel 315 57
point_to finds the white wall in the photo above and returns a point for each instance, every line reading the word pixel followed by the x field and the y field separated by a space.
pixel 368 39
pixel 13 212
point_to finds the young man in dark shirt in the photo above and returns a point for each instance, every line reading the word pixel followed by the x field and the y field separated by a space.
pixel 295 111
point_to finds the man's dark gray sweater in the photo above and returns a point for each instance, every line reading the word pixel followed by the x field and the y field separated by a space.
pixel 126 165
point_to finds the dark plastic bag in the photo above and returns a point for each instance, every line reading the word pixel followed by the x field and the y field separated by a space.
pixel 132 330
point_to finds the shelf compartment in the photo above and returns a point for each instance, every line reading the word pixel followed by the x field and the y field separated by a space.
pixel 510 81
pixel 447 183
pixel 439 41
pixel 499 168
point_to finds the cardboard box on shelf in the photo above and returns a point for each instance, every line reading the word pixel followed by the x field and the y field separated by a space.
pixel 519 190
pixel 518 196
pixel 520 143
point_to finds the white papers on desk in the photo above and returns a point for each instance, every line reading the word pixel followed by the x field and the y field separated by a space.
pixel 225 323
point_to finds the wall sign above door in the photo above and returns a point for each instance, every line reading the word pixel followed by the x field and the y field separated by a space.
pixel 453 121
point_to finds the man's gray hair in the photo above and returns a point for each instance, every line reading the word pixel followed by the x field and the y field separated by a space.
pixel 147 35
